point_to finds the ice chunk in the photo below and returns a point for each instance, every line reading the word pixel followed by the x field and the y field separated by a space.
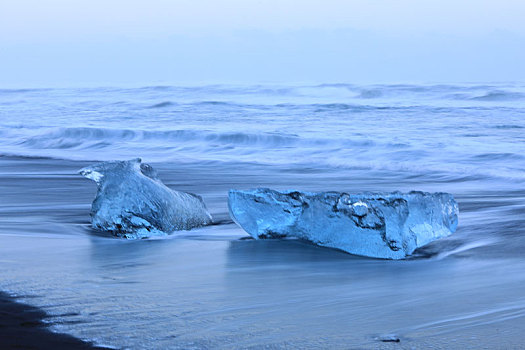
pixel 380 225
pixel 132 202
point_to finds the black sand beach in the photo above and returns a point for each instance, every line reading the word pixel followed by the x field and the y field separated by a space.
pixel 22 327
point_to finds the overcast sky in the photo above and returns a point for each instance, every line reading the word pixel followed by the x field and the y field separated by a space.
pixel 114 42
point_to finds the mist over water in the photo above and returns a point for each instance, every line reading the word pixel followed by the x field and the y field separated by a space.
pixel 206 288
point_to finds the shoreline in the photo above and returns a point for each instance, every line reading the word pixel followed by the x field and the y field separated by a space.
pixel 22 327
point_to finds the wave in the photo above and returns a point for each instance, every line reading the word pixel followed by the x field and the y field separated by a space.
pixel 352 107
pixel 500 96
pixel 356 151
pixel 18 91
pixel 96 138
pixel 64 138
pixel 203 145
pixel 162 104
pixel 165 104
pixel 214 103
pixel 467 246
pixel 371 93
pixel 509 126
pixel 341 94
pixel 494 92
pixel 434 93
pixel 498 156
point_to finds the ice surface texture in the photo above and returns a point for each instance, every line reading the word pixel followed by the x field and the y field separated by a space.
pixel 132 202
pixel 380 225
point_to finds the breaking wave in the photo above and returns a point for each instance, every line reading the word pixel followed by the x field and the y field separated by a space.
pixel 271 148
pixel 63 138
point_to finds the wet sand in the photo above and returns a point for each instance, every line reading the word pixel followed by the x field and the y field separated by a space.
pixel 22 327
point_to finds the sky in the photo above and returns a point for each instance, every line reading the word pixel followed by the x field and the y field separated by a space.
pixel 189 42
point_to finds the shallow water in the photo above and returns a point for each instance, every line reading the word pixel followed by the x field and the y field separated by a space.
pixel 207 288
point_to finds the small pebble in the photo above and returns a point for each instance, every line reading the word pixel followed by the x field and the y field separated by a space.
pixel 388 338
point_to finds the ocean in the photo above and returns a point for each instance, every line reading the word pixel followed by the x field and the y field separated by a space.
pixel 210 288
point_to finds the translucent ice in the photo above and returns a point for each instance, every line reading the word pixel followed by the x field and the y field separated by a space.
pixel 382 225
pixel 132 202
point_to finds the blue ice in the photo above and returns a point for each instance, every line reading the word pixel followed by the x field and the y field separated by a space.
pixel 132 202
pixel 381 225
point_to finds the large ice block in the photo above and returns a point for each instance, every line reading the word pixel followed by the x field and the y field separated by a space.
pixel 380 225
pixel 132 202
